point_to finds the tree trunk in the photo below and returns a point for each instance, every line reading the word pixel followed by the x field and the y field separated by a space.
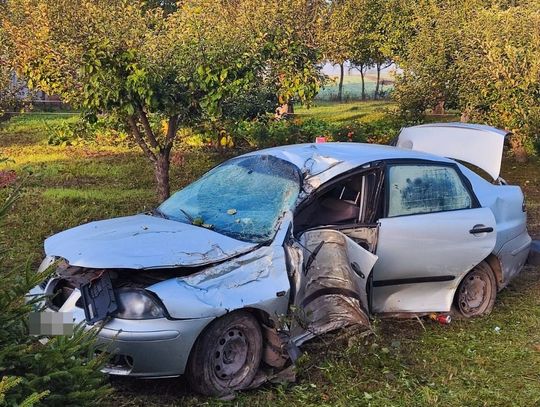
pixel 340 88
pixel 363 84
pixel 378 81
pixel 161 172
pixel 518 148
pixel 158 153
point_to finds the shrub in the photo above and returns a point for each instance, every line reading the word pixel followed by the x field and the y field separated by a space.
pixel 260 132
pixel 57 371
pixel 104 130
pixel 269 132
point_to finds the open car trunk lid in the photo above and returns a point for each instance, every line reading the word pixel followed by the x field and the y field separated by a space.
pixel 472 143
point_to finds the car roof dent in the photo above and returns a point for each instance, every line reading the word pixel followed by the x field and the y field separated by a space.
pixel 475 144
pixel 321 162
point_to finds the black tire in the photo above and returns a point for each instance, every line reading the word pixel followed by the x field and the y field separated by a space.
pixel 476 293
pixel 226 355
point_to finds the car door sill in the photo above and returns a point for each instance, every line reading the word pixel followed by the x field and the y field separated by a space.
pixel 412 280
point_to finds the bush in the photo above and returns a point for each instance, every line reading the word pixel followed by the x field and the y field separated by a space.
pixel 105 130
pixel 269 132
pixel 260 132
pixel 57 371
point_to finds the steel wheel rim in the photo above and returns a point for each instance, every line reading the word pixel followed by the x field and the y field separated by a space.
pixel 474 294
pixel 231 356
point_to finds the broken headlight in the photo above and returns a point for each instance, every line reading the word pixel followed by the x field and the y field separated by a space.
pixel 137 304
pixel 47 262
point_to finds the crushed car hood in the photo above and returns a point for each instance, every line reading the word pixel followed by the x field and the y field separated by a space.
pixel 142 242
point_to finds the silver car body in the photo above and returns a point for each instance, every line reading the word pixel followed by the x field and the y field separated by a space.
pixel 414 263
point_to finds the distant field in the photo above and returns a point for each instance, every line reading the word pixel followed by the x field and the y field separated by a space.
pixel 352 87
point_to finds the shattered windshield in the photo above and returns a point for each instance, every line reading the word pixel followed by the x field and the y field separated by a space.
pixel 242 198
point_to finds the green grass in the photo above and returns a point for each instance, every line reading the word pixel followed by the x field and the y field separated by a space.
pixel 404 363
pixel 347 111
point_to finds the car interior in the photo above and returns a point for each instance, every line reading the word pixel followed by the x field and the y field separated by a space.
pixel 351 204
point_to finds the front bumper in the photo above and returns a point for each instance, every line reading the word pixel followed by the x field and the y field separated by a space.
pixel 141 348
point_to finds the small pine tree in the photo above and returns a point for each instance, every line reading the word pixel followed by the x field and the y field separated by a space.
pixel 57 371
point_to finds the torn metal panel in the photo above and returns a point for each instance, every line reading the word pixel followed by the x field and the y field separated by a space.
pixel 331 292
pixel 274 353
pixel 142 242
pixel 472 143
pixel 258 279
pixel 366 236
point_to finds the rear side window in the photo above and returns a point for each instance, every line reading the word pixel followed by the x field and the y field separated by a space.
pixel 417 189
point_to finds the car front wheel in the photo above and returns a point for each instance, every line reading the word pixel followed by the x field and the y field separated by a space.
pixel 226 356
pixel 476 292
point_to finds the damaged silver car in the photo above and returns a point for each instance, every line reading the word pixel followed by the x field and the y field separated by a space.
pixel 270 249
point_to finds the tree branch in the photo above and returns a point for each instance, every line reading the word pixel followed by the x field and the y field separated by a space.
pixel 171 131
pixel 147 128
pixel 140 140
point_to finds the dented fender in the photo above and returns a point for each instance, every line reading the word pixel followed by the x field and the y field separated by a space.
pixel 256 280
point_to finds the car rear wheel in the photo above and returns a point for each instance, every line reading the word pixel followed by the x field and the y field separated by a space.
pixel 476 292
pixel 226 356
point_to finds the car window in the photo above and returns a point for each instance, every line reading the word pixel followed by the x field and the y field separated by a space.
pixel 417 189
pixel 354 200
pixel 242 198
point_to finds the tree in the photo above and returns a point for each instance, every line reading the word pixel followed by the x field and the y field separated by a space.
pixel 429 60
pixel 9 87
pixel 336 36
pixel 360 14
pixel 480 57
pixel 290 45
pixel 357 25
pixel 389 24
pixel 148 64
pixel 500 72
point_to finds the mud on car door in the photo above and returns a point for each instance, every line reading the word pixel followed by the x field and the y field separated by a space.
pixel 331 289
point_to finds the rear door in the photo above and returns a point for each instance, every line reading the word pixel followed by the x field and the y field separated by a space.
pixel 433 232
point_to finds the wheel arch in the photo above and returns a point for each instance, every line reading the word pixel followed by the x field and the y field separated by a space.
pixel 495 265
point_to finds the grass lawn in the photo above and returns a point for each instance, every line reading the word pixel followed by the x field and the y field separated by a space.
pixel 347 111
pixel 404 363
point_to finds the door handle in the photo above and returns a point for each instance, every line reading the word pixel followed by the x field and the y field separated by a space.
pixel 480 229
